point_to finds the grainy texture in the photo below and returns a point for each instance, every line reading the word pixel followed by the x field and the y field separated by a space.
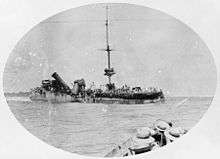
pixel 94 129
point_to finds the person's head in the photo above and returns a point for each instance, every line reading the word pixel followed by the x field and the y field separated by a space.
pixel 174 133
pixel 162 125
pixel 145 132
pixel 143 138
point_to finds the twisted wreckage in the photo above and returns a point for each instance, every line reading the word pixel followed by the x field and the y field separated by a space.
pixel 57 90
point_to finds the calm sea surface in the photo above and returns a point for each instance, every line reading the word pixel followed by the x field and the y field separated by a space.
pixel 94 129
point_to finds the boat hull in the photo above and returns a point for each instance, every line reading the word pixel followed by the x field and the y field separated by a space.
pixel 53 98
pixel 104 98
pixel 121 150
pixel 132 96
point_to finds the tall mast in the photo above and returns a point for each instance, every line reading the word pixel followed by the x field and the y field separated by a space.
pixel 108 71
pixel 107 38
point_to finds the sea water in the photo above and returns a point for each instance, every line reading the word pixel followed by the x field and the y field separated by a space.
pixel 94 129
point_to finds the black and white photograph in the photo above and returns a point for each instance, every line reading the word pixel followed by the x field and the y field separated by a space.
pixel 110 80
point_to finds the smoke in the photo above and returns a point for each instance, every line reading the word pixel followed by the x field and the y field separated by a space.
pixel 46 69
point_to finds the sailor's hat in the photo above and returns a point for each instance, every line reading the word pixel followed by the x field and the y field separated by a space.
pixel 143 138
pixel 145 130
pixel 162 125
pixel 174 133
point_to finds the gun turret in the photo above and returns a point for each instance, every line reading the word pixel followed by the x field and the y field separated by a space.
pixel 79 86
pixel 61 82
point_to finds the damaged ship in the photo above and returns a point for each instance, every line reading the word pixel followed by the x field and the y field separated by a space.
pixel 57 90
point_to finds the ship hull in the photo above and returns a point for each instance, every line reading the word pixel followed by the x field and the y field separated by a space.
pixel 123 101
pixel 104 98
pixel 53 98
pixel 131 96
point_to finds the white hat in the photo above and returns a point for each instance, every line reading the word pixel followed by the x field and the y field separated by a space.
pixel 145 131
pixel 161 125
pixel 174 133
pixel 143 138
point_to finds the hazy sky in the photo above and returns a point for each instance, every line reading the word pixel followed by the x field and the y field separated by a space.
pixel 151 49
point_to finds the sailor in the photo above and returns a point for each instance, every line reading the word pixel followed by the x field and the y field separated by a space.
pixel 174 133
pixel 160 126
pixel 143 141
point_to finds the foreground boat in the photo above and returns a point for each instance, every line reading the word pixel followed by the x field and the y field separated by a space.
pixel 148 139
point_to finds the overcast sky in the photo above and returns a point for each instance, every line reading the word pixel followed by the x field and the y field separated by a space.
pixel 151 49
